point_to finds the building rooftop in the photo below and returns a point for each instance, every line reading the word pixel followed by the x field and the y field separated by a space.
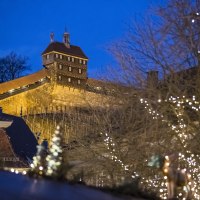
pixel 21 138
pixel 5 147
pixel 61 47
pixel 23 81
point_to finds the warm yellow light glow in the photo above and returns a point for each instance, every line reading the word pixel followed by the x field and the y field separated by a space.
pixel 24 172
pixel 66 55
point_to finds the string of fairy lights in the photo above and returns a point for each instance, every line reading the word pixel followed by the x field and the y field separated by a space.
pixel 181 129
pixel 111 146
pixel 189 160
pixel 178 128
pixel 54 158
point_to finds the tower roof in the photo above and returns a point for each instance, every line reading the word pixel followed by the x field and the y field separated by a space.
pixel 61 48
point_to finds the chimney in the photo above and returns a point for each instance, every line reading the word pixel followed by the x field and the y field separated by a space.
pixel 52 37
pixel 66 39
pixel 152 79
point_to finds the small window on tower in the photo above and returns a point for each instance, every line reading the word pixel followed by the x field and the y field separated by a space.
pixel 80 61
pixel 60 56
pixel 56 55
pixel 84 62
pixel 69 80
pixel 72 59
pixel 60 66
pixel 59 78
pixel 70 69
pixel 80 71
pixel 68 58
pixel 47 56
pixel 79 82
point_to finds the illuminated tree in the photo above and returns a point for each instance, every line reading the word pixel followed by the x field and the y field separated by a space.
pixel 167 46
pixel 180 119
pixel 113 155
pixel 54 159
pixel 39 161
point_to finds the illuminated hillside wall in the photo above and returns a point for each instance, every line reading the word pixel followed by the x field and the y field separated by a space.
pixel 49 98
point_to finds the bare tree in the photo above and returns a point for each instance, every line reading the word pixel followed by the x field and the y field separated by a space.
pixel 12 66
pixel 167 40
pixel 168 44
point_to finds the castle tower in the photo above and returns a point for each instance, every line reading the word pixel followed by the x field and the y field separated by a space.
pixel 52 37
pixel 66 39
pixel 66 63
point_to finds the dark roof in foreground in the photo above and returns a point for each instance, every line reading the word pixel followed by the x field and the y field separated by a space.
pixel 60 47
pixel 5 146
pixel 7 155
pixel 22 140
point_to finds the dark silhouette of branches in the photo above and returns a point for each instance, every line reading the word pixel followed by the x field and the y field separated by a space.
pixel 12 66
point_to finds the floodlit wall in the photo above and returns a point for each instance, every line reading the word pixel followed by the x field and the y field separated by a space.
pixel 49 98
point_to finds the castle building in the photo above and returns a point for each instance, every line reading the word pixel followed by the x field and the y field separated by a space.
pixel 66 64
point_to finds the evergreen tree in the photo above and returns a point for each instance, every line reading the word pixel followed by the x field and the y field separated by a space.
pixel 54 159
pixel 39 161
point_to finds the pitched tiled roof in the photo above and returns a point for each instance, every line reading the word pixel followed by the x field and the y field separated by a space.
pixel 5 147
pixel 60 47
pixel 23 81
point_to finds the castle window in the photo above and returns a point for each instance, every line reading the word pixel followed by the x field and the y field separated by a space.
pixel 60 66
pixel 60 56
pixel 84 62
pixel 59 78
pixel 80 61
pixel 72 59
pixel 69 80
pixel 68 58
pixel 56 55
pixel 80 71
pixel 70 69
pixel 79 82
pixel 47 56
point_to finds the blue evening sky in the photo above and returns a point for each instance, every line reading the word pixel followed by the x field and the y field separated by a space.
pixel 92 24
